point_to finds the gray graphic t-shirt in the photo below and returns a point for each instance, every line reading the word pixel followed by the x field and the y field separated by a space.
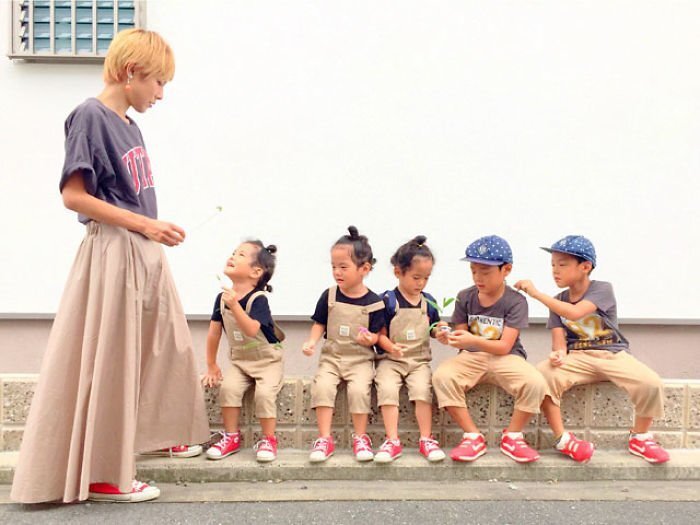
pixel 112 157
pixel 488 322
pixel 595 331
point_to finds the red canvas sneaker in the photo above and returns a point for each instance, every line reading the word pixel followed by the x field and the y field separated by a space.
pixel 362 447
pixel 230 443
pixel 266 449
pixel 430 449
pixel 108 492
pixel 389 451
pixel 322 449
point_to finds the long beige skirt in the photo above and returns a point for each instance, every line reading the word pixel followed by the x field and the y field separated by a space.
pixel 118 377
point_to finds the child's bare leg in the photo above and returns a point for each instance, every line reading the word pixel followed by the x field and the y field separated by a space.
pixel 359 423
pixel 518 420
pixel 553 414
pixel 424 417
pixel 642 424
pixel 390 415
pixel 231 417
pixel 461 416
pixel 268 425
pixel 324 417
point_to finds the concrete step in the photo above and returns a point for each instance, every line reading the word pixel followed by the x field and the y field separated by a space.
pixel 293 465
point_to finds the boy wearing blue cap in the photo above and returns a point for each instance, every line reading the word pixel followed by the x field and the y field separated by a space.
pixel 587 347
pixel 488 318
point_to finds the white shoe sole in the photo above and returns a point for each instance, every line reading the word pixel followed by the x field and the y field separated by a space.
pixel 517 459
pixel 648 460
pixel 464 459
pixel 319 459
pixel 386 458
pixel 435 459
pixel 134 497
pixel 196 451
pixel 364 459
pixel 265 459
pixel 216 458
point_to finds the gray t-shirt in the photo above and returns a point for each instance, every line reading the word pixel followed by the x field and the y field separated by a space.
pixel 596 331
pixel 112 158
pixel 488 322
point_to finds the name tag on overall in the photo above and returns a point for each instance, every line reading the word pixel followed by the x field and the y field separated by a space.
pixel 344 330
pixel 237 336
pixel 411 335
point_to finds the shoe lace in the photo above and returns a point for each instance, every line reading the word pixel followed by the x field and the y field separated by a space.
pixel 321 444
pixel 138 486
pixel 388 445
pixel 224 441
pixel 264 444
pixel 430 444
pixel 362 443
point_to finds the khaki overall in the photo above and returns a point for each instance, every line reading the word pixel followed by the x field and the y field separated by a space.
pixel 253 361
pixel 343 359
pixel 409 327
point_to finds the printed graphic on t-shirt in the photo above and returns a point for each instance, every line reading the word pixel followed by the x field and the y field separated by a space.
pixel 591 332
pixel 139 167
pixel 485 326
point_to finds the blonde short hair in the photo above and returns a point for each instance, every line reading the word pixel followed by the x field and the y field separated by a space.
pixel 141 49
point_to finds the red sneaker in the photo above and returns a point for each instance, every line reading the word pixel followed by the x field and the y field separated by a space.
pixel 108 492
pixel 389 451
pixel 644 446
pixel 229 444
pixel 469 449
pixel 430 449
pixel 322 449
pixel 362 447
pixel 517 448
pixel 266 449
pixel 577 449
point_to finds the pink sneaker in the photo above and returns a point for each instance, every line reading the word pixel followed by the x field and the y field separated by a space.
pixel 389 451
pixel 266 449
pixel 517 448
pixel 108 492
pixel 469 449
pixel 229 444
pixel 180 451
pixel 322 449
pixel 577 449
pixel 644 446
pixel 362 447
pixel 430 449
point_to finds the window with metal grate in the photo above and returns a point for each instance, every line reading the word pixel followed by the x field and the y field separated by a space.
pixel 70 30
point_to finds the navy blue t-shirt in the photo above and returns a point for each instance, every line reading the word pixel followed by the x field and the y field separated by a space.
pixel 376 319
pixel 259 311
pixel 433 314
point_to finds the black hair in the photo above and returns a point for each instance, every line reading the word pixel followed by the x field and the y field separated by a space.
pixel 360 250
pixel 583 260
pixel 416 247
pixel 264 259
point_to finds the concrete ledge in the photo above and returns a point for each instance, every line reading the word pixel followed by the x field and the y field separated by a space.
pixel 293 465
pixel 600 412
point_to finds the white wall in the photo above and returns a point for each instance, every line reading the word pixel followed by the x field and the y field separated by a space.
pixel 531 120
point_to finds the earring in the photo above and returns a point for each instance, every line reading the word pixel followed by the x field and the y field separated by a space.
pixel 128 82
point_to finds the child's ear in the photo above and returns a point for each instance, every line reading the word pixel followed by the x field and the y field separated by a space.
pixel 397 272
pixel 587 266
pixel 256 272
pixel 507 268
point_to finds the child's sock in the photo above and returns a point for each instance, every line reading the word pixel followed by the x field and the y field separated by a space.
pixel 562 441
pixel 471 435
pixel 513 435
pixel 641 437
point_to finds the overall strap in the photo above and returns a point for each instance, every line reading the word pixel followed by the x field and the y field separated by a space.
pixel 331 296
pixel 251 300
pixel 423 304
pixel 374 307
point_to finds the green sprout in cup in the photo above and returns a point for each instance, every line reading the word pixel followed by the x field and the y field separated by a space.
pixel 447 301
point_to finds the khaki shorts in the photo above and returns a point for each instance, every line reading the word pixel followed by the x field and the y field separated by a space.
pixel 356 369
pixel 510 372
pixel 581 367
pixel 392 374
pixel 262 368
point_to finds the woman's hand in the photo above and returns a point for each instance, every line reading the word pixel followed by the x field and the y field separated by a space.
pixel 164 232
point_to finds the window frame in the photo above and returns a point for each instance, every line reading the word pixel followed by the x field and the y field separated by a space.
pixel 51 56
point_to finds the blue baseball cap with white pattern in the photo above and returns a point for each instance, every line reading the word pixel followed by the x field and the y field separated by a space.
pixel 492 250
pixel 576 245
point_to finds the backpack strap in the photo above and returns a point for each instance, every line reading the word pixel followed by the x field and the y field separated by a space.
pixel 392 304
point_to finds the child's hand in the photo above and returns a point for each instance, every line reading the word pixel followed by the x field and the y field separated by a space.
pixel 229 296
pixel 213 376
pixel 460 338
pixel 308 348
pixel 443 330
pixel 365 337
pixel 397 349
pixel 526 286
pixel 556 357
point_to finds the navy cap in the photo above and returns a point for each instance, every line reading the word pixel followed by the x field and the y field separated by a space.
pixel 492 250
pixel 576 245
